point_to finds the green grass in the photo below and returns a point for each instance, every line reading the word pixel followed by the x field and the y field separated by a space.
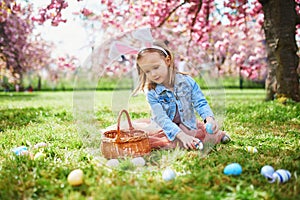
pixel 73 142
pixel 125 82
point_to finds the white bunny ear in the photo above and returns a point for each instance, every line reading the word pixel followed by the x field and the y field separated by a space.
pixel 144 35
pixel 118 48
pixel 113 52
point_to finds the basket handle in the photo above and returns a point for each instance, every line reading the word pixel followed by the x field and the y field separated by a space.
pixel 119 120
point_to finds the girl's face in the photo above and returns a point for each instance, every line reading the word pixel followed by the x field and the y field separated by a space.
pixel 155 67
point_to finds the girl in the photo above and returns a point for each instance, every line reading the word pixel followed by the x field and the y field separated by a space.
pixel 173 98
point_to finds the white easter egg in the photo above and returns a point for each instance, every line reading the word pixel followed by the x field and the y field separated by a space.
pixel 112 163
pixel 75 177
pixel 267 171
pixel 199 145
pixel 138 161
pixel 281 175
pixel 41 144
pixel 39 156
pixel 168 174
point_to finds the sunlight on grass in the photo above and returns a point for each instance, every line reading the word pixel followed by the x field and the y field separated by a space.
pixel 29 118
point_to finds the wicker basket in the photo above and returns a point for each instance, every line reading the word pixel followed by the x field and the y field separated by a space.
pixel 123 143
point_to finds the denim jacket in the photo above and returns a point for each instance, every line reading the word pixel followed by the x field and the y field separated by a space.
pixel 187 96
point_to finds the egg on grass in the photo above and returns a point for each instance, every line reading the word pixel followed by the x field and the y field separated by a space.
pixel 251 149
pixel 39 156
pixel 168 174
pixel 267 171
pixel 112 163
pixel 40 144
pixel 75 178
pixel 281 176
pixel 138 161
pixel 233 169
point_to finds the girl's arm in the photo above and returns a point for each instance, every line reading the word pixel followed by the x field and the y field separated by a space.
pixel 201 105
pixel 161 118
pixel 171 130
pixel 187 140
pixel 199 101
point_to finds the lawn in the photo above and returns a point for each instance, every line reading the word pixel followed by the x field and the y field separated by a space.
pixel 69 123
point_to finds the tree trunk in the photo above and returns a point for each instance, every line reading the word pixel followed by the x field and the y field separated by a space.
pixel 270 83
pixel 39 86
pixel 280 30
pixel 241 78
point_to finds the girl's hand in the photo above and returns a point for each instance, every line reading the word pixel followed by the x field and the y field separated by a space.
pixel 214 124
pixel 187 140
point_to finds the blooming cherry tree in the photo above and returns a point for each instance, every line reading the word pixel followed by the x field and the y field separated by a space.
pixel 15 50
pixel 225 35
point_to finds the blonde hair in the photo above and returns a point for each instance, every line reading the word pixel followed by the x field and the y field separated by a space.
pixel 143 81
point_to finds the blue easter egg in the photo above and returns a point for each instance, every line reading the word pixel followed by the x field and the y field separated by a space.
pixel 18 150
pixel 281 175
pixel 208 128
pixel 267 171
pixel 233 169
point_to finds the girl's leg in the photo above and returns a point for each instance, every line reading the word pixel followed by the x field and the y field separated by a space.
pixel 158 140
pixel 157 137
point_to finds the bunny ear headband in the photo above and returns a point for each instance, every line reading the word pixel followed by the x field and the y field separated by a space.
pixel 144 35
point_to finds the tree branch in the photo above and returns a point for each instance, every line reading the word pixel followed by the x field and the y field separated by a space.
pixel 196 14
pixel 57 13
pixel 170 13
pixel 194 21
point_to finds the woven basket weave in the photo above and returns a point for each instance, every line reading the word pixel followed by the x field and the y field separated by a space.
pixel 123 143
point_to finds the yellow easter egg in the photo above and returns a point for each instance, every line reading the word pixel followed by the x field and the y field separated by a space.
pixel 282 100
pixel 75 177
pixel 251 149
